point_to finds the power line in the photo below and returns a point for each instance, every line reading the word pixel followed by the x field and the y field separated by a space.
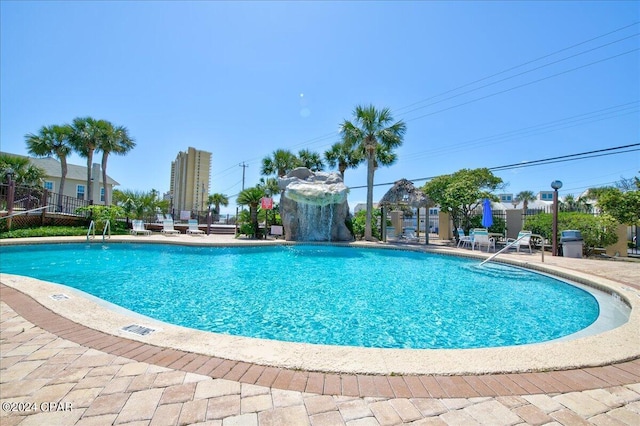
pixel 527 163
pixel 521 73
pixel 333 134
pixel 524 85
pixel 523 64
pixel 551 160
pixel 575 120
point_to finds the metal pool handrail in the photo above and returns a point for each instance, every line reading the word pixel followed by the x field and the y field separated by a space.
pixel 528 234
pixel 92 226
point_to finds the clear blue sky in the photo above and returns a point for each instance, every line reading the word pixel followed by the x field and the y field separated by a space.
pixel 242 79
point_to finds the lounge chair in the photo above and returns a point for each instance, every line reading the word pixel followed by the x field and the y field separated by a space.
pixel 137 227
pixel 463 240
pixel 409 234
pixel 193 228
pixel 524 239
pixel 159 217
pixel 167 228
pixel 481 238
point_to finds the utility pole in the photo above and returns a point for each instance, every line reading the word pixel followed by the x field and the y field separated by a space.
pixel 244 167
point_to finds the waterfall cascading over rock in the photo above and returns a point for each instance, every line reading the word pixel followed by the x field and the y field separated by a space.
pixel 314 206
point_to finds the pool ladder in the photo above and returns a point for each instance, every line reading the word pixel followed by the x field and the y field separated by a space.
pixel 106 231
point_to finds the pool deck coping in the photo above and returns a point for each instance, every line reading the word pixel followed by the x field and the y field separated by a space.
pixel 616 346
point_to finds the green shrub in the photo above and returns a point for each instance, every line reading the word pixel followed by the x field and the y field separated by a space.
pixel 597 231
pixel 359 220
pixel 498 227
pixel 101 214
pixel 45 231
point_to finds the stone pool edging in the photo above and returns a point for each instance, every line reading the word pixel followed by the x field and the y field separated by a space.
pixel 618 345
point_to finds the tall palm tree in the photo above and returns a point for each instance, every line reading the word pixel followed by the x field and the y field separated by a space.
pixel 85 139
pixel 342 156
pixel 280 163
pixel 218 200
pixel 371 129
pixel 251 197
pixel 310 160
pixel 52 141
pixel 525 197
pixel 114 140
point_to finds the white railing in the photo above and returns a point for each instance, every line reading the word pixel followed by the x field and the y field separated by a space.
pixel 91 233
pixel 92 226
pixel 107 227
pixel 510 245
pixel 23 212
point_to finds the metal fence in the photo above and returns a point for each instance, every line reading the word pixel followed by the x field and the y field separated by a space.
pixel 26 198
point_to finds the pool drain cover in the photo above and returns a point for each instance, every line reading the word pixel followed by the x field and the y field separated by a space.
pixel 138 329
pixel 59 296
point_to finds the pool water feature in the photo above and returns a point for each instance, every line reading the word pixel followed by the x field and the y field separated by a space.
pixel 322 294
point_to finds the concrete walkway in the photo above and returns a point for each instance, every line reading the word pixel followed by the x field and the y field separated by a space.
pixel 57 372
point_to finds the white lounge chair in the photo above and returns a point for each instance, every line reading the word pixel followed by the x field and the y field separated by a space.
pixel 193 228
pixel 159 217
pixel 481 238
pixel 409 234
pixel 168 229
pixel 137 227
pixel 463 239
pixel 523 240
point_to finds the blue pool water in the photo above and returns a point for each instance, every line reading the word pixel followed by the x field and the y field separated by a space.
pixel 319 294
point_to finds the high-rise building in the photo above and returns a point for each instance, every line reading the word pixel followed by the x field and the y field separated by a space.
pixel 190 178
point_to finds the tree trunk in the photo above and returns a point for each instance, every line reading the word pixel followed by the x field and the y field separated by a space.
pixel 89 164
pixel 63 178
pixel 370 169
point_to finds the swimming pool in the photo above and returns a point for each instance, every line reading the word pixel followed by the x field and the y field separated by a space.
pixel 318 293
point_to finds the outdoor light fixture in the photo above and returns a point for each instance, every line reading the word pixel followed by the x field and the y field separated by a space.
pixel 556 184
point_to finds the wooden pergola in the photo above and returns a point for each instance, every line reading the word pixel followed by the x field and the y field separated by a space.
pixel 404 193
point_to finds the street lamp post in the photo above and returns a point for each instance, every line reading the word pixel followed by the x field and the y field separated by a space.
pixel 556 184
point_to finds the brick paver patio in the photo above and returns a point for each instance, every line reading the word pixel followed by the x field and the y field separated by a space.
pixel 61 373
pixel 57 372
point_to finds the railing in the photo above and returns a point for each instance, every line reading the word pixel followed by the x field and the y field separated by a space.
pixel 23 212
pixel 107 227
pixel 511 244
pixel 28 197
pixel 92 226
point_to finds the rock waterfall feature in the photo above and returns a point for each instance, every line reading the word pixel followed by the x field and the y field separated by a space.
pixel 314 206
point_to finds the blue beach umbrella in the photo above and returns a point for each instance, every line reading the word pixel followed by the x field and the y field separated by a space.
pixel 487 216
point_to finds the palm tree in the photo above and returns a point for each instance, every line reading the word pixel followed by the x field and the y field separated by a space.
pixel 569 204
pixel 525 197
pixel 310 160
pixel 21 169
pixel 52 140
pixel 113 140
pixel 251 197
pixel 280 163
pixel 85 139
pixel 217 200
pixel 371 129
pixel 341 155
